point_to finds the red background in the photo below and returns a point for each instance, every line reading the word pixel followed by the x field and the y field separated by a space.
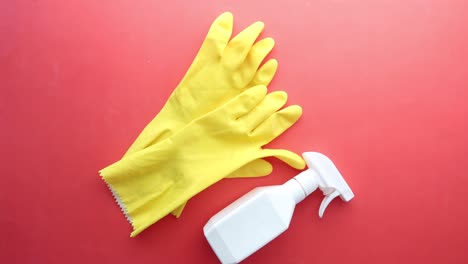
pixel 383 85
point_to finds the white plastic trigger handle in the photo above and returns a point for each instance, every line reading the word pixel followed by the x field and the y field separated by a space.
pixel 326 201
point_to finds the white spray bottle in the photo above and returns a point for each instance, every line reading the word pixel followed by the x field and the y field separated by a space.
pixel 264 213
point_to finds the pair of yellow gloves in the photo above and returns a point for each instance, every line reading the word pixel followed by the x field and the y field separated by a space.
pixel 213 126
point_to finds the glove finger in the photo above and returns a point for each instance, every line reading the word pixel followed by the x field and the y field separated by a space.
pixel 265 74
pixel 268 106
pixel 277 123
pixel 178 211
pixel 244 102
pixel 255 168
pixel 288 157
pixel 238 48
pixel 256 55
pixel 218 37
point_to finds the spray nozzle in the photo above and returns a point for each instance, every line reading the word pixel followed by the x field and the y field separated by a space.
pixel 323 174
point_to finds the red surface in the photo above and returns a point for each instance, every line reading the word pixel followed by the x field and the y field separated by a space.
pixel 383 85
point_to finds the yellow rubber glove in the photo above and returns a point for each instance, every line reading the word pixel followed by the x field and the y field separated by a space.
pixel 149 184
pixel 222 69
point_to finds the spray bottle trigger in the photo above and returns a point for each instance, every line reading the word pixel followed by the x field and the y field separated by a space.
pixel 326 201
